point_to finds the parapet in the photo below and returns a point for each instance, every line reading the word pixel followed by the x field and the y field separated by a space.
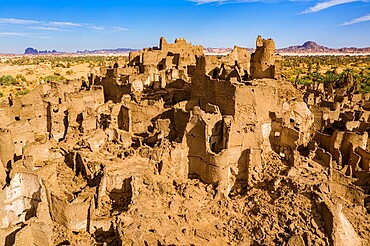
pixel 180 41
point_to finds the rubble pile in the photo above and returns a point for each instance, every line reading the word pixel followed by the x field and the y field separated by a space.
pixel 178 148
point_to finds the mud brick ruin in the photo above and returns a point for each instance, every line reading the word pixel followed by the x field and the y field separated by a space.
pixel 175 147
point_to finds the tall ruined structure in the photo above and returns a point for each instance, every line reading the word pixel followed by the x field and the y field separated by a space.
pixel 153 67
pixel 244 98
pixel 265 64
pixel 179 148
pixel 179 56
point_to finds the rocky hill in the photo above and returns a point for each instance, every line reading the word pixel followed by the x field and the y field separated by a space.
pixel 32 51
pixel 105 51
pixel 307 47
pixel 313 47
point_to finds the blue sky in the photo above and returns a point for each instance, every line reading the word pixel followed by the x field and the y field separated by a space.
pixel 71 25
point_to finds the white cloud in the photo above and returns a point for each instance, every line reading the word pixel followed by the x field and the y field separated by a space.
pixel 207 1
pixel 357 20
pixel 119 28
pixel 18 21
pixel 57 25
pixel 98 28
pixel 324 5
pixel 60 23
pixel 14 34
pixel 228 1
pixel 45 28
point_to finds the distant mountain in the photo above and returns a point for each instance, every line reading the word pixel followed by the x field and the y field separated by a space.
pixel 222 50
pixel 106 51
pixel 313 47
pixel 307 47
pixel 217 50
pixel 32 51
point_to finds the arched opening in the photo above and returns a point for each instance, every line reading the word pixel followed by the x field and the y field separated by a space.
pixel 215 73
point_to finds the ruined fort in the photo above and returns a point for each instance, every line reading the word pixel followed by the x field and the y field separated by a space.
pixel 174 147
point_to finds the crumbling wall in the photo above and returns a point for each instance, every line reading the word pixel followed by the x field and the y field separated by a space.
pixel 354 160
pixel 263 59
pixel 143 114
pixel 219 92
pixel 22 131
pixel 34 109
pixel 197 141
pixel 238 57
pixel 168 62
pixel 35 233
pixel 57 123
pixel 352 140
pixel 7 149
pixel 187 51
pixel 324 140
pixel 135 58
pixel 20 199
pixel 73 216
pixel 323 157
pixel 113 90
pixel 8 116
pixel 335 145
pixel 80 107
pixel 337 225
pixel 365 159
pixel 210 167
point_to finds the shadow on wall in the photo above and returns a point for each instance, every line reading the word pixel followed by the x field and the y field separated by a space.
pixel 124 119
pixel 215 140
pixel 179 123
pixel 66 124
pixel 121 198
pixel 197 150
pixel 276 127
pixel 112 90
pixel 111 237
pixel 10 239
pixel 179 120
pixel 35 200
pixel 215 72
pixel 241 181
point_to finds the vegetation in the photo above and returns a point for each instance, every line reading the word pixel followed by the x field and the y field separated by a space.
pixel 61 61
pixel 336 70
pixel 32 70
pixel 8 80
pixel 20 78
pixel 22 92
pixel 57 77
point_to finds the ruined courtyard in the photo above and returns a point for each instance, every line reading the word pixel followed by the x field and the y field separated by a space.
pixel 175 147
